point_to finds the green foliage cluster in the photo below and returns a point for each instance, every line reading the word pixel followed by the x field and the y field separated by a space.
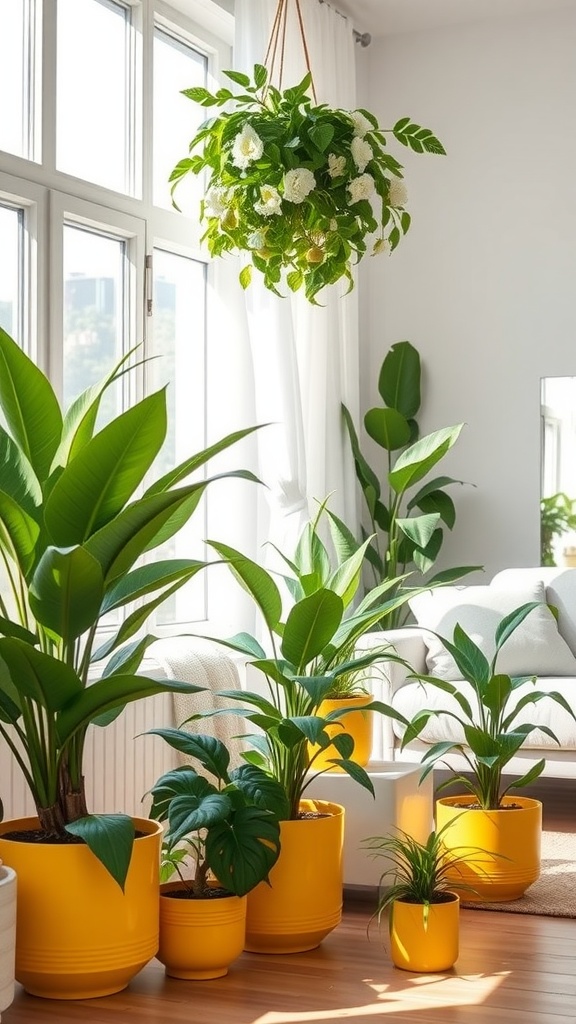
pixel 407 531
pixel 290 182
pixel 72 533
pixel 492 732
pixel 229 827
pixel 557 516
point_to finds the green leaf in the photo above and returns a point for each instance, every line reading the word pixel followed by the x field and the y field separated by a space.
pixel 29 405
pixel 110 837
pixel 261 790
pixel 190 465
pixel 419 529
pixel 321 135
pixel 96 485
pixel 388 428
pixel 510 622
pixel 260 76
pixel 399 379
pixel 211 752
pixel 310 626
pixel 238 77
pixel 414 463
pixel 366 476
pixel 242 854
pixel 19 481
pixel 22 531
pixel 147 578
pixel 47 681
pixel 245 276
pixel 255 580
pixel 66 591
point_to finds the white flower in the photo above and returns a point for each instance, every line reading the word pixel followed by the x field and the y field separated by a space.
pixel 336 165
pixel 247 147
pixel 216 201
pixel 362 153
pixel 397 193
pixel 257 240
pixel 361 124
pixel 298 183
pixel 381 245
pixel 271 202
pixel 360 188
pixel 333 225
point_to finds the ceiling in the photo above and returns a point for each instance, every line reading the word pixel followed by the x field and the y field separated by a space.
pixel 384 17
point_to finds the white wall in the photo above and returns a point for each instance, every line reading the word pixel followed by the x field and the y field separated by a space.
pixel 484 283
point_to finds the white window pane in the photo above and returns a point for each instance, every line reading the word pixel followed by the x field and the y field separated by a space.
pixel 176 118
pixel 179 329
pixel 93 92
pixel 11 225
pixel 94 316
pixel 17 75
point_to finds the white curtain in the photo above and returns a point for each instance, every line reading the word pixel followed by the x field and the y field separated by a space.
pixel 305 357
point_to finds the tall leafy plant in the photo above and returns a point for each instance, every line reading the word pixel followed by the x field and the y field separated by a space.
pixel 72 532
pixel 408 512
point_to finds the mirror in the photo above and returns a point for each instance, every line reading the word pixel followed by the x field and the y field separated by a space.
pixel 558 471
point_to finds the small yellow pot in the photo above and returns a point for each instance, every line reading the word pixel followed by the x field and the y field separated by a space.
pixel 511 839
pixel 77 934
pixel 357 723
pixel 199 939
pixel 425 943
pixel 303 902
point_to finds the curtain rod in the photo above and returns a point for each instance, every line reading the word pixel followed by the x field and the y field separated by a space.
pixel 364 38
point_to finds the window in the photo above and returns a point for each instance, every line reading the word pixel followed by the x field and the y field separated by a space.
pixel 94 259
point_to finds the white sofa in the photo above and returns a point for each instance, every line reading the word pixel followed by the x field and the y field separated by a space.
pixel 544 645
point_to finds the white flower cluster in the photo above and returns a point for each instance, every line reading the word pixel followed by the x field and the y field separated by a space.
pixel 270 202
pixel 247 147
pixel 361 187
pixel 298 183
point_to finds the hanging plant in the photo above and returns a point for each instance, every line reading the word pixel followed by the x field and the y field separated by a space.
pixel 303 189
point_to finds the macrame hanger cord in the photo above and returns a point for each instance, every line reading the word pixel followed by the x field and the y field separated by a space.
pixel 276 48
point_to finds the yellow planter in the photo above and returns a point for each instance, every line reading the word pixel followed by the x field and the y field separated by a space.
pixel 357 723
pixel 510 837
pixel 199 939
pixel 303 902
pixel 77 934
pixel 424 943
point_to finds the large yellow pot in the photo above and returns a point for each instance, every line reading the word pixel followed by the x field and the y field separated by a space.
pixel 199 938
pixel 357 723
pixel 303 902
pixel 425 942
pixel 77 934
pixel 511 839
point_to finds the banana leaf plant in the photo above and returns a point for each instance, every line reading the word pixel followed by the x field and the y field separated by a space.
pixel 309 649
pixel 229 827
pixel 488 712
pixel 407 531
pixel 72 532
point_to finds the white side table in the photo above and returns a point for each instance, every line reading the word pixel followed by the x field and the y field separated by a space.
pixel 400 801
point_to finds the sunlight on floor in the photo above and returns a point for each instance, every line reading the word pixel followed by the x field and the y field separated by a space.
pixel 431 991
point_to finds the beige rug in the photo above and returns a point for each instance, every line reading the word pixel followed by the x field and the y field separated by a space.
pixel 554 894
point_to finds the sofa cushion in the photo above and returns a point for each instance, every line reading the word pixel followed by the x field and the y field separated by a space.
pixel 414 696
pixel 535 647
pixel 560 583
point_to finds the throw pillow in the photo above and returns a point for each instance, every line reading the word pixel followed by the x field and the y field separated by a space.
pixel 535 647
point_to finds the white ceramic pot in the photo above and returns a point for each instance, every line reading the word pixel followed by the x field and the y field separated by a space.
pixel 7 935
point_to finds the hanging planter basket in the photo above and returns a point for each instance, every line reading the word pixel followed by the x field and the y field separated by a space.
pixel 305 191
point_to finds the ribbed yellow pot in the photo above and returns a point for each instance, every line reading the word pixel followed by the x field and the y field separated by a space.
pixel 199 938
pixel 358 723
pixel 425 942
pixel 303 902
pixel 511 839
pixel 77 934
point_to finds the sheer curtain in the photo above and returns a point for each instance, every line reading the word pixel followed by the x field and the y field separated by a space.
pixel 305 357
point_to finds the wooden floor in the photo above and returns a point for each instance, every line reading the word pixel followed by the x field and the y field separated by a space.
pixel 512 968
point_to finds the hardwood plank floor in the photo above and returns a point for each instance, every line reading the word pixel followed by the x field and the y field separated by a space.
pixel 512 968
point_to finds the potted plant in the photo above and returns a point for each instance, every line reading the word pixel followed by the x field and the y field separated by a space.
pixel 417 891
pixel 557 516
pixel 407 530
pixel 291 183
pixel 488 708
pixel 7 935
pixel 71 534
pixel 230 829
pixel 309 649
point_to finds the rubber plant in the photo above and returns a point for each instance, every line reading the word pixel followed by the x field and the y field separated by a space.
pixel 406 530
pixel 291 183
pixel 72 532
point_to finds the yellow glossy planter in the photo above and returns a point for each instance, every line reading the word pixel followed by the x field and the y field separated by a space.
pixel 424 943
pixel 77 934
pixel 303 902
pixel 358 723
pixel 511 839
pixel 199 939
